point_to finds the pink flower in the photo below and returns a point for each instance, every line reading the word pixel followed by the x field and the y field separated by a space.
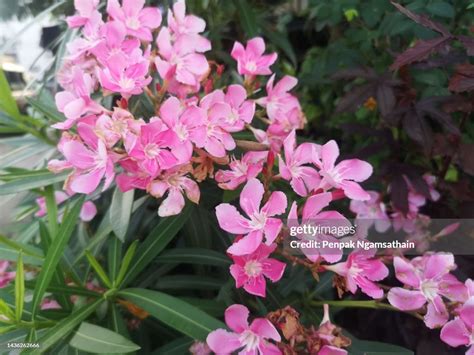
pixel 133 177
pixel 176 183
pixel 251 339
pixel 5 276
pixel 345 174
pixel 250 60
pixel 279 103
pixel 199 348
pixel 75 104
pixel 90 160
pixel 186 28
pixel 48 303
pixel 371 212
pixel 88 210
pixel 260 222
pixel 460 330
pixel 186 126
pixel 217 139
pixel 241 110
pixel 179 61
pixel 250 270
pixel 429 280
pixel 151 148
pixel 138 21
pixel 330 341
pixel 86 10
pixel 241 171
pixel 313 215
pixel 303 179
pixel 114 42
pixel 360 270
pixel 124 76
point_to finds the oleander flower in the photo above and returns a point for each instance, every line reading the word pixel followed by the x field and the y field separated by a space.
pixel 303 178
pixel 138 21
pixel 5 276
pixel 241 170
pixel 460 330
pixel 360 270
pixel 250 270
pixel 250 339
pixel 176 183
pixel 344 175
pixel 260 221
pixel 251 60
pixel 428 280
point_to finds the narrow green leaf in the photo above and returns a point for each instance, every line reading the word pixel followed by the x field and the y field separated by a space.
pixel 98 269
pixel 173 312
pixel 26 249
pixel 52 209
pixel 126 263
pixel 47 109
pixel 58 277
pixel 66 290
pixel 188 282
pixel 19 288
pixel 176 347
pixel 247 17
pixel 55 252
pixel 64 327
pixel 31 336
pixel 98 340
pixel 156 241
pixel 114 256
pixel 31 182
pixel 116 321
pixel 7 101
pixel 193 256
pixel 120 212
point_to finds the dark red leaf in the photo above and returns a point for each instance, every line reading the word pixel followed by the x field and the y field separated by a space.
pixel 458 103
pixel 355 98
pixel 466 157
pixel 353 73
pixel 418 129
pixel 463 79
pixel 422 20
pixel 399 193
pixel 420 51
pixel 385 99
pixel 468 43
pixel 431 107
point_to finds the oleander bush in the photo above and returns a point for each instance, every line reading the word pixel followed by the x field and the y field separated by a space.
pixel 173 167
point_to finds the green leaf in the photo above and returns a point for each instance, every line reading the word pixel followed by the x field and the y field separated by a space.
pixel 98 269
pixel 25 248
pixel 7 102
pixel 114 256
pixel 65 326
pixel 19 288
pixel 66 290
pixel 174 312
pixel 193 256
pixel 120 212
pixel 126 263
pixel 46 108
pixel 156 241
pixel 99 340
pixel 52 209
pixel 176 347
pixel 31 182
pixel 55 252
pixel 441 9
pixel 247 17
pixel 183 282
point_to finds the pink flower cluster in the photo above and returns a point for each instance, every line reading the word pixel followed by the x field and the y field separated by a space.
pixel 134 57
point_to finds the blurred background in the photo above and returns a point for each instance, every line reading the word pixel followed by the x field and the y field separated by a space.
pixel 405 123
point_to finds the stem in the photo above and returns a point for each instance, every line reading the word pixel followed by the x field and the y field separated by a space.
pixel 363 304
